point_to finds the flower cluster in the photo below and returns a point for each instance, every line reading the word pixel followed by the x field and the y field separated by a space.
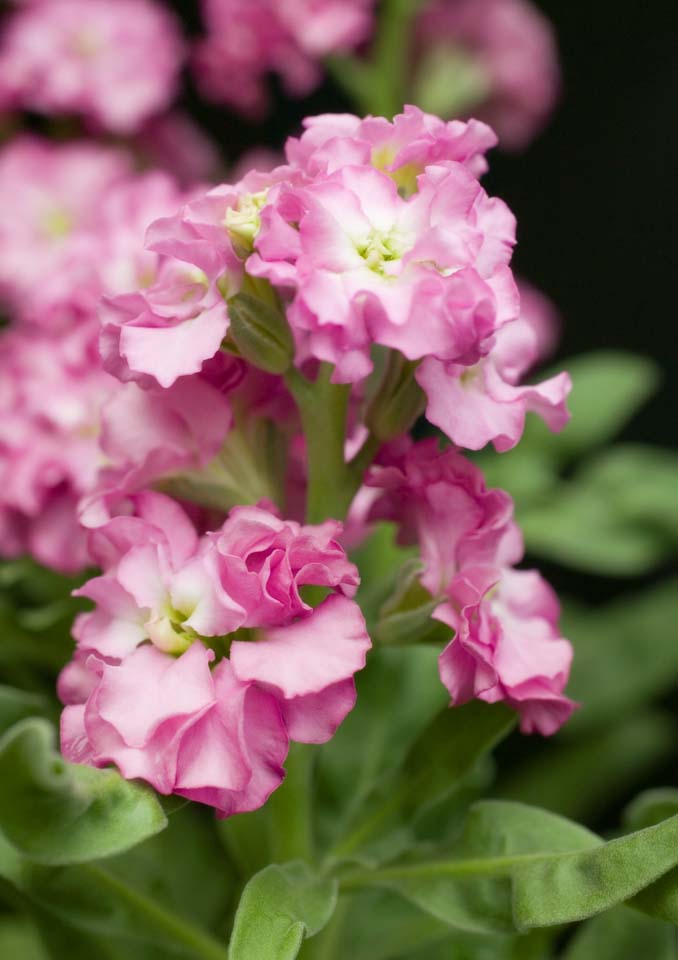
pixel 170 604
pixel 505 57
pixel 115 63
pixel 375 234
pixel 506 644
pixel 246 39
pixel 187 370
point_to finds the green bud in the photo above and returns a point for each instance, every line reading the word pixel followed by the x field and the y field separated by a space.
pixel 260 333
pixel 407 616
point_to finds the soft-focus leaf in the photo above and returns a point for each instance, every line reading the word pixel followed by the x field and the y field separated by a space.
pixel 625 654
pixel 399 693
pixel 380 560
pixel 16 705
pixel 56 812
pixel 576 777
pixel 609 387
pixel 279 908
pixel 660 899
pixel 622 934
pixel 651 807
pixel 19 940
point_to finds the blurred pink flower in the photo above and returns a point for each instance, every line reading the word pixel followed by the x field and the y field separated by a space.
pixel 114 62
pixel 513 47
pixel 248 39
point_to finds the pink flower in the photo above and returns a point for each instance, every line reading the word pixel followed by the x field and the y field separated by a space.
pixel 50 242
pixel 507 645
pixel 484 403
pixel 51 393
pixel 402 148
pixel 184 729
pixel 427 275
pixel 115 62
pixel 440 501
pixel 246 39
pixel 166 601
pixel 511 46
pixel 175 143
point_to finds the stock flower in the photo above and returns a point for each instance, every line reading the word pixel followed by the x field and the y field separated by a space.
pixel 51 393
pixel 183 728
pixel 246 39
pixel 114 62
pixel 507 60
pixel 402 147
pixel 50 244
pixel 167 600
pixel 485 403
pixel 424 275
pixel 506 644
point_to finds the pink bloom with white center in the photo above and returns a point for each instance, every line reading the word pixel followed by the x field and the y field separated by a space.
pixel 50 241
pixel 402 147
pixel 512 48
pixel 183 728
pixel 427 275
pixel 247 39
pixel 114 62
pixel 440 501
pixel 174 326
pixel 485 403
pixel 507 645
pixel 51 392
pixel 286 671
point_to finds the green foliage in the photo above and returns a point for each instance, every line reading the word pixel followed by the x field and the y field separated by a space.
pixel 58 813
pixel 623 934
pixel 280 906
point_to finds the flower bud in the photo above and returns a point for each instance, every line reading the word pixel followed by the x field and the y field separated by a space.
pixel 398 402
pixel 260 333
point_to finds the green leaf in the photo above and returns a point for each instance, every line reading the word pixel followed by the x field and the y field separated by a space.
pixel 57 813
pixel 279 908
pixel 660 899
pixel 563 889
pixel 518 867
pixel 19 940
pixel 576 776
pixel 624 654
pixel 16 705
pixel 609 387
pixel 651 807
pixel 399 693
pixel 622 934
pixel 589 533
pixel 450 82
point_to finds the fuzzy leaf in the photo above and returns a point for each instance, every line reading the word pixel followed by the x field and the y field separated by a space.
pixel 57 813
pixel 279 908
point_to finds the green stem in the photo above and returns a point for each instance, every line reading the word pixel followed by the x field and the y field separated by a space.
pixel 290 808
pixel 323 407
pixel 180 931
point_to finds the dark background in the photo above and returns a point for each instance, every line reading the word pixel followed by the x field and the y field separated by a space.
pixel 595 195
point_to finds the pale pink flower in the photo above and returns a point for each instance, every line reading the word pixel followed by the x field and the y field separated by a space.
pixel 114 62
pixel 425 275
pixel 247 39
pixel 440 501
pixel 166 601
pixel 486 403
pixel 507 645
pixel 403 148
pixel 513 47
pixel 51 393
pixel 50 240
pixel 175 143
pixel 184 729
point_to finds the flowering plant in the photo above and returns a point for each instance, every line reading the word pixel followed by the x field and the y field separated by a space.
pixel 278 446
